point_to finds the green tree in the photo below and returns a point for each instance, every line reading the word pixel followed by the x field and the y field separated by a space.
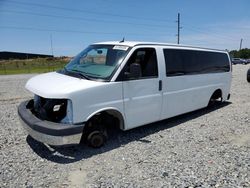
pixel 243 53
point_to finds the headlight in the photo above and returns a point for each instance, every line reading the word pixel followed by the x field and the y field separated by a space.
pixel 56 110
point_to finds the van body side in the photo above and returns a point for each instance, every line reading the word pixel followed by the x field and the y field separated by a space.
pixel 125 83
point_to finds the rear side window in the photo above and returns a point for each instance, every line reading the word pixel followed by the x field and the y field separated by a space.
pixel 185 62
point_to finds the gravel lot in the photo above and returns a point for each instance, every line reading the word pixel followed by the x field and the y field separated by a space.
pixel 205 148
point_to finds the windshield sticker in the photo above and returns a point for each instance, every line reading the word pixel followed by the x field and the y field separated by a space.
pixel 125 48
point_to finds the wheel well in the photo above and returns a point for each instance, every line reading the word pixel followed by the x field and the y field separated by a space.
pixel 103 121
pixel 118 116
pixel 109 117
pixel 217 94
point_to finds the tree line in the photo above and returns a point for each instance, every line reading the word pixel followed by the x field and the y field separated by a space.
pixel 243 53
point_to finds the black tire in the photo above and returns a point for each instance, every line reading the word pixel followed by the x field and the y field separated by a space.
pixel 248 75
pixel 211 102
pixel 216 98
pixel 96 138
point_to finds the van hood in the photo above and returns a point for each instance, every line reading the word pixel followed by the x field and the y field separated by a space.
pixel 56 85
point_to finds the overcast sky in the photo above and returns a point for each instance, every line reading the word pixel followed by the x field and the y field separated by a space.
pixel 28 25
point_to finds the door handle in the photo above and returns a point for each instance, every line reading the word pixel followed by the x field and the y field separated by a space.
pixel 160 85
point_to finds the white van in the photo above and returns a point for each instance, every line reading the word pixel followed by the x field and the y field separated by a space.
pixel 129 84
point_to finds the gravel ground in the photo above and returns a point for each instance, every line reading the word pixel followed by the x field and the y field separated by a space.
pixel 205 148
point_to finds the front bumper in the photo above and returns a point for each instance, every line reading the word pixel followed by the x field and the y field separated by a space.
pixel 51 133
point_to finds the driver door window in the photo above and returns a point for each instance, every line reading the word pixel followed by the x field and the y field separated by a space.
pixel 146 57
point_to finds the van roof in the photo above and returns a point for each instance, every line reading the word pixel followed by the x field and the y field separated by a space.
pixel 137 43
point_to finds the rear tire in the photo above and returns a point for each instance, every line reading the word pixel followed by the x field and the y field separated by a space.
pixel 211 102
pixel 215 98
pixel 248 75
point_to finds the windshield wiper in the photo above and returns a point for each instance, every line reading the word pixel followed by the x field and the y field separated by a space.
pixel 79 74
pixel 82 75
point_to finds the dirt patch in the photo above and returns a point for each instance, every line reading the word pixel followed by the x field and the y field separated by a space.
pixel 77 179
pixel 241 140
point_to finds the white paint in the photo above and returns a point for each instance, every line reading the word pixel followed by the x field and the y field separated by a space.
pixel 139 101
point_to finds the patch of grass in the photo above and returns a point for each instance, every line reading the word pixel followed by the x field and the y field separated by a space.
pixel 38 65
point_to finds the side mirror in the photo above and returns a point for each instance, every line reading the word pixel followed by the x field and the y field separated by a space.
pixel 135 71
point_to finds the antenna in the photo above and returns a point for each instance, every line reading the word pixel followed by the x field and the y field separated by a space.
pixel 178 28
pixel 241 43
pixel 122 40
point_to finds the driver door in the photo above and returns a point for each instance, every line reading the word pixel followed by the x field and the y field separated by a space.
pixel 143 95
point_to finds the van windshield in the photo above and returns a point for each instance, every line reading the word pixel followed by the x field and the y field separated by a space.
pixel 98 61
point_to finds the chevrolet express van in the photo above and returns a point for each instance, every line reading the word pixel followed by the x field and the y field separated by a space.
pixel 129 84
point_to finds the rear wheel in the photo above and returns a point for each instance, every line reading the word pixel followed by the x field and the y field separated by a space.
pixel 215 98
pixel 248 75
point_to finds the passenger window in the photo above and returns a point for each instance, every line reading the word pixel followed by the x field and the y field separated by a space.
pixel 174 63
pixel 146 57
pixel 186 62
